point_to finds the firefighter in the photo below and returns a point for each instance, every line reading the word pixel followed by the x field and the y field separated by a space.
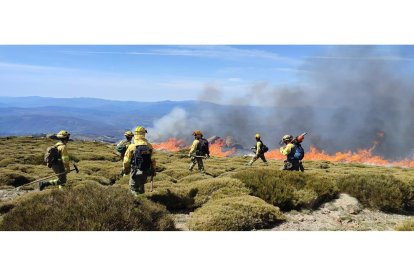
pixel 122 146
pixel 199 150
pixel 139 162
pixel 294 154
pixel 260 150
pixel 61 166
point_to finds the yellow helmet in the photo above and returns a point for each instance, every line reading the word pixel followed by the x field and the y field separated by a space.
pixel 63 134
pixel 257 135
pixel 287 138
pixel 140 130
pixel 128 133
pixel 197 133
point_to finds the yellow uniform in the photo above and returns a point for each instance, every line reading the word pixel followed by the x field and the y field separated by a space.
pixel 291 163
pixel 61 168
pixel 195 160
pixel 287 150
pixel 259 154
pixel 137 178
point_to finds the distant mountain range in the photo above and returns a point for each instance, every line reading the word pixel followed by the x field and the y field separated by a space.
pixel 106 120
pixel 86 117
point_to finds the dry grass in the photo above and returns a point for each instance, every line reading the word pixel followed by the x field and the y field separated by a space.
pixel 288 190
pixel 226 179
pixel 407 225
pixel 235 214
pixel 377 191
pixel 86 208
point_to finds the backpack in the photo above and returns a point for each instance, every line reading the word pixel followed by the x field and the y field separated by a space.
pixel 121 147
pixel 52 156
pixel 202 147
pixel 141 159
pixel 264 148
pixel 299 152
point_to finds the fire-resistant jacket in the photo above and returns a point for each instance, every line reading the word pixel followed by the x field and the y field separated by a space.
pixel 258 147
pixel 193 148
pixel 139 140
pixel 64 155
pixel 288 149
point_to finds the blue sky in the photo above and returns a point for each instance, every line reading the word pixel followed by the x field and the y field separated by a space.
pixel 154 73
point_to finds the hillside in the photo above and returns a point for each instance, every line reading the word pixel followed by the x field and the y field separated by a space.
pixel 328 196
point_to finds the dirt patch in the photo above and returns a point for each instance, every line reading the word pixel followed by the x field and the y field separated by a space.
pixel 342 214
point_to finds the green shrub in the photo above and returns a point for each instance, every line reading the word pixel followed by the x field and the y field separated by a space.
pixel 7 161
pixel 105 172
pixel 383 192
pixel 288 190
pixel 6 207
pixel 407 225
pixel 204 189
pixel 235 214
pixel 34 159
pixel 14 178
pixel 174 199
pixel 85 208
pixel 177 173
pixel 194 177
pixel 184 196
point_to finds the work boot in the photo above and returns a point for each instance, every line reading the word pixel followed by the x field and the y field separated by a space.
pixel 42 185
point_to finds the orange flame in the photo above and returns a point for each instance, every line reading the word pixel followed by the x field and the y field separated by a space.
pixel 216 149
pixel 360 156
pixel 172 144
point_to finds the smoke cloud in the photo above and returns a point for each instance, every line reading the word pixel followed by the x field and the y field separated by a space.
pixel 346 97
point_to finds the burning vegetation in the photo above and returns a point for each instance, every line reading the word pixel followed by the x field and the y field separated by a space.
pixel 227 147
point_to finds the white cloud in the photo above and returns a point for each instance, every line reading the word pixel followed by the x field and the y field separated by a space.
pixel 217 52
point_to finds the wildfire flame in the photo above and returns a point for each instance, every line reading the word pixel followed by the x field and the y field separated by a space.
pixel 216 149
pixel 360 156
pixel 172 144
pixel 365 156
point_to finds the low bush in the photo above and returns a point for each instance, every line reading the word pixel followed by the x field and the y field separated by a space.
pixel 6 207
pixel 235 214
pixel 14 178
pixel 204 189
pixel 7 161
pixel 86 208
pixel 407 225
pixel 383 192
pixel 174 199
pixel 177 173
pixel 108 172
pixel 288 190
pixel 194 177
pixel 189 196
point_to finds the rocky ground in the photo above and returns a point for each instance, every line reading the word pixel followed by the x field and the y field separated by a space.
pixel 9 193
pixel 342 214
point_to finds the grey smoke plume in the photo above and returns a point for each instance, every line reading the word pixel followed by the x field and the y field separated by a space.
pixel 175 124
pixel 347 96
